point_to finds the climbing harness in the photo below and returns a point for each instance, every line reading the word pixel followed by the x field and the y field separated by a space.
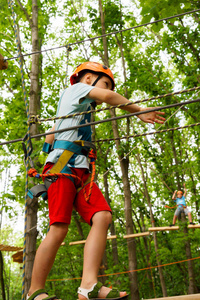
pixel 60 168
pixel 183 206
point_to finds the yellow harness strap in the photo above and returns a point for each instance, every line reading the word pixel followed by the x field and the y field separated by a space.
pixel 62 161
pixel 64 158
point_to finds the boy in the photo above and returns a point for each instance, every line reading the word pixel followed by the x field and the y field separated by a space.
pixel 91 84
pixel 181 205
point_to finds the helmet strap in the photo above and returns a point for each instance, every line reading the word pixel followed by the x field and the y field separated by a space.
pixel 96 80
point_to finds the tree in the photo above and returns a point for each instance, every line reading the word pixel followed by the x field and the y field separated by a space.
pixel 147 61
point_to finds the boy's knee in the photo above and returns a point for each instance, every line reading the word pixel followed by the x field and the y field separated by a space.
pixel 104 217
pixel 59 230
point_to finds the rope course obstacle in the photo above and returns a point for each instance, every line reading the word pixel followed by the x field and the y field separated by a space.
pixel 142 234
pixel 111 237
pixel 135 235
pixel 131 271
pixel 116 118
pixel 166 228
pixel 9 248
pixel 18 256
pixel 35 119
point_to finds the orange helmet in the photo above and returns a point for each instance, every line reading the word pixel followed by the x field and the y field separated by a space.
pixel 93 67
pixel 180 192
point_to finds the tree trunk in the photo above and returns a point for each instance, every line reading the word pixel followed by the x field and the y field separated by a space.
pixel 149 276
pixel 3 294
pixel 127 192
pixel 105 47
pixel 162 280
pixel 192 288
pixel 34 107
pixel 124 163
pixel 112 227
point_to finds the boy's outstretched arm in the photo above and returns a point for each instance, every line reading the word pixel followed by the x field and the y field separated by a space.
pixel 112 98
pixel 174 195
pixel 185 191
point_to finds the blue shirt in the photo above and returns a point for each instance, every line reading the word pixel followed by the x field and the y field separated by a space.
pixel 180 201
pixel 73 100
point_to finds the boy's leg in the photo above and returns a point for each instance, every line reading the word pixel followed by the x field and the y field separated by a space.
pixel 45 257
pixel 190 217
pixel 94 250
pixel 174 219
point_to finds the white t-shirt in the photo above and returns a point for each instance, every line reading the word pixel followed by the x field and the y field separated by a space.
pixel 73 100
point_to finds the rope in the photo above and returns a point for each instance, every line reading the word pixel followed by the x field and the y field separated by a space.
pixel 136 146
pixel 131 271
pixel 36 119
pixel 111 33
pixel 119 160
pixel 113 139
pixel 149 133
pixel 92 155
pixel 120 138
pixel 27 138
pixel 171 206
pixel 114 118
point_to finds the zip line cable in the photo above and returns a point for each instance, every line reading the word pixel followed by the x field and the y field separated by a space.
pixel 107 34
pixel 111 119
pixel 36 119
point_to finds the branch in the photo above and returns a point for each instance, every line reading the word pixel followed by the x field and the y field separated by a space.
pixel 82 25
pixel 25 12
pixel 9 88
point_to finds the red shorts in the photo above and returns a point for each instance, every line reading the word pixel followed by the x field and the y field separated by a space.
pixel 62 197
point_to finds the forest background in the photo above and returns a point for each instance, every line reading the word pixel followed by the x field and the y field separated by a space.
pixel 137 174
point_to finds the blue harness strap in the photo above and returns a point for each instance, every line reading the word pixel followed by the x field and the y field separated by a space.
pixel 79 147
pixel 46 148
pixel 71 146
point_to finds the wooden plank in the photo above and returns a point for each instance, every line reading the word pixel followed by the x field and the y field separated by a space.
pixel 9 248
pixel 194 226
pixel 77 242
pixel 163 228
pixel 111 237
pixel 136 235
pixel 184 297
pixel 18 257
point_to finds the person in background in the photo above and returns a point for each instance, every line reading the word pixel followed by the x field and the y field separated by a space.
pixel 179 198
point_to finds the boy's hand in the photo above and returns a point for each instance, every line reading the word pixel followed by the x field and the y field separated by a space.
pixel 152 117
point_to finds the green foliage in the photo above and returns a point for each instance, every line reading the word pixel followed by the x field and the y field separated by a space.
pixel 159 59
